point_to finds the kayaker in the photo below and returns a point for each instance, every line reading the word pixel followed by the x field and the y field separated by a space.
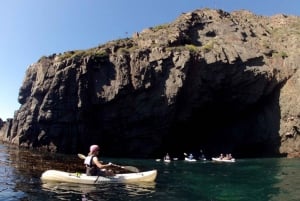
pixel 93 166
pixel 167 157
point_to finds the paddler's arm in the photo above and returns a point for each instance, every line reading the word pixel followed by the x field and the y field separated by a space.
pixel 99 164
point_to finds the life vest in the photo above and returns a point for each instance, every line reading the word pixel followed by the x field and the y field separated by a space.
pixel 88 161
pixel 91 169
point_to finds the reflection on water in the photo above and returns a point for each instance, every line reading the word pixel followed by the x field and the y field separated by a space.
pixel 135 189
pixel 288 178
pixel 272 179
pixel 20 179
pixel 105 191
pixel 7 178
pixel 21 169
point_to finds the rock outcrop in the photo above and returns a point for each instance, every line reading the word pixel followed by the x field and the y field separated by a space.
pixel 211 80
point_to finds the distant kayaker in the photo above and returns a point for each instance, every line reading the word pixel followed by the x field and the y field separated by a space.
pixel 93 166
pixel 202 156
pixel 191 156
pixel 228 157
pixel 167 157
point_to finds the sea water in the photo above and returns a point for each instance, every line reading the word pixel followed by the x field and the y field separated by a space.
pixel 263 179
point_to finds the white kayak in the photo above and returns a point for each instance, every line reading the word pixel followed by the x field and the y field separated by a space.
pixel 224 160
pixel 190 159
pixel 81 178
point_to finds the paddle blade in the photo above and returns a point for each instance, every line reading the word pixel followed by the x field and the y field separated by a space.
pixel 128 168
pixel 81 156
pixel 131 168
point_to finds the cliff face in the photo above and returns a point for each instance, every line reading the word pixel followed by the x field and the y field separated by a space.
pixel 211 80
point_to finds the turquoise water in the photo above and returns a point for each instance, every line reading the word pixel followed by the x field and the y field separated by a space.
pixel 274 179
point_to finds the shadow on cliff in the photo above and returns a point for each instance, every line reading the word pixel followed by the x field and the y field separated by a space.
pixel 233 110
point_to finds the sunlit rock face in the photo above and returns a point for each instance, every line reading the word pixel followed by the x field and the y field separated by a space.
pixel 211 80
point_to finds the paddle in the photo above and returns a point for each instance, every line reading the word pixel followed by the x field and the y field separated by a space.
pixel 129 168
pixel 188 156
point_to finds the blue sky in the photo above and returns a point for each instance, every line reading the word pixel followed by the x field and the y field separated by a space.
pixel 30 29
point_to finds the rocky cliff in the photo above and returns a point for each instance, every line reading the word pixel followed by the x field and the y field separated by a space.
pixel 211 80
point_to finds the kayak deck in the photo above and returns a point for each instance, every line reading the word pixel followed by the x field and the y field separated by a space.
pixel 190 159
pixel 81 178
pixel 224 160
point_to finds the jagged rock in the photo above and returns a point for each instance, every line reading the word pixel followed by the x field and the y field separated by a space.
pixel 210 80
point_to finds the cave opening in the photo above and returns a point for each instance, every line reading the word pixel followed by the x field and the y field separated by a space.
pixel 206 130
